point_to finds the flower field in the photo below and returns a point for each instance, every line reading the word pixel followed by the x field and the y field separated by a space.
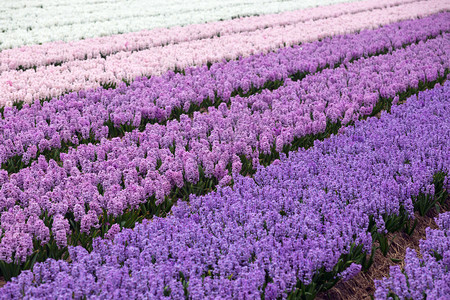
pixel 224 149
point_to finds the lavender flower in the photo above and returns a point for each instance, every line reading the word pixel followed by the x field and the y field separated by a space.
pixel 428 276
pixel 80 117
pixel 350 272
pixel 266 233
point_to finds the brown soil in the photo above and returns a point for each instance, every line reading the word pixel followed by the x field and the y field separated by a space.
pixel 362 286
pixel 2 282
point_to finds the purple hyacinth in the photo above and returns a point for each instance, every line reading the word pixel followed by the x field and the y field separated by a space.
pixel 428 276
pixel 292 219
pixel 74 118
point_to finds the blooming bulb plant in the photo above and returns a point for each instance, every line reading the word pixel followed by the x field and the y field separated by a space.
pixel 87 117
pixel 46 21
pixel 52 81
pixel 264 235
pixel 56 52
pixel 428 276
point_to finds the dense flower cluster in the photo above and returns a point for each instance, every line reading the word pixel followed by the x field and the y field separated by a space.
pixel 426 277
pixel 58 52
pixel 51 81
pixel 81 117
pixel 264 155
pixel 265 234
pixel 350 272
pixel 123 173
pixel 54 20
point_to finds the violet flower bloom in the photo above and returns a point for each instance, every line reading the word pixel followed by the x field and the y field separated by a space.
pixel 124 173
pixel 428 276
pixel 269 232
pixel 81 117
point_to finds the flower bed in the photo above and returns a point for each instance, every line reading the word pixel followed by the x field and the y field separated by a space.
pixel 58 52
pixel 90 116
pixel 126 179
pixel 428 275
pixel 53 20
pixel 52 81
pixel 288 231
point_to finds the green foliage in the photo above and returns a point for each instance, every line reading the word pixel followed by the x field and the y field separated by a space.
pixel 423 203
pixel 323 280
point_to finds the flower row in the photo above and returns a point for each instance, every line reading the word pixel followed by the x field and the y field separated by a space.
pixel 59 52
pixel 97 184
pixel 82 117
pixel 52 20
pixel 426 277
pixel 52 81
pixel 278 234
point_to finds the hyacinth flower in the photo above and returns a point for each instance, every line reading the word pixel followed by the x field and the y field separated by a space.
pixel 124 180
pixel 170 19
pixel 58 52
pixel 426 277
pixel 294 229
pixel 87 117
pixel 52 81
